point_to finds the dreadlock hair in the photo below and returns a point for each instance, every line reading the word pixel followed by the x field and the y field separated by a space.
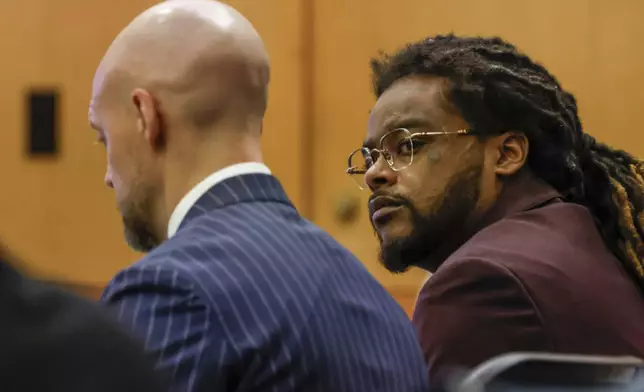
pixel 497 88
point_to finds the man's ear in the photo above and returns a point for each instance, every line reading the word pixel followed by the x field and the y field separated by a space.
pixel 149 120
pixel 511 151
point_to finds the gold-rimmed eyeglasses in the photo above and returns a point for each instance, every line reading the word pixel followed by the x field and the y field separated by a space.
pixel 396 146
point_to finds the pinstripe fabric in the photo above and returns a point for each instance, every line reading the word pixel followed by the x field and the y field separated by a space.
pixel 249 296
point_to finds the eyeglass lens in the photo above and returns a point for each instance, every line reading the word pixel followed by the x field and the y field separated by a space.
pixel 396 147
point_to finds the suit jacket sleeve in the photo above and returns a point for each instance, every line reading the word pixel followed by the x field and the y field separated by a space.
pixel 471 311
pixel 164 310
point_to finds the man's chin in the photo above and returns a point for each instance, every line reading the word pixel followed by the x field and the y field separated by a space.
pixel 392 258
pixel 392 233
pixel 393 254
pixel 398 253
pixel 139 234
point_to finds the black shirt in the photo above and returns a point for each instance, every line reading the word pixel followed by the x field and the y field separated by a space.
pixel 51 340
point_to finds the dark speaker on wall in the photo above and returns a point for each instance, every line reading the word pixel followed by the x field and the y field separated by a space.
pixel 42 122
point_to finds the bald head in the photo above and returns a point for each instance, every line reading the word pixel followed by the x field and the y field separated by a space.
pixel 200 60
pixel 180 93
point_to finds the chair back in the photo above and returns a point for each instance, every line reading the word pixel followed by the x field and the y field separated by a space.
pixel 534 372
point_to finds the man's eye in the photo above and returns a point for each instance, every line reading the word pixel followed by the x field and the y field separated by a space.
pixel 406 147
pixel 418 144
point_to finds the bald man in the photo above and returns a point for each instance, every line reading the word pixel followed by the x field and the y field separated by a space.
pixel 237 291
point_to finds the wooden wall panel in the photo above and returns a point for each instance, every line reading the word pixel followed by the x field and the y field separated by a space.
pixel 590 45
pixel 57 215
pixel 281 25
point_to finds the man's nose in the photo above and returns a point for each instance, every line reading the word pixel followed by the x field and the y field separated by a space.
pixel 380 174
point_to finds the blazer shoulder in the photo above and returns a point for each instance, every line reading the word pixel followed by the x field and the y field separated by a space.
pixel 187 266
pixel 534 243
pixel 160 270
pixel 552 225
pixel 458 271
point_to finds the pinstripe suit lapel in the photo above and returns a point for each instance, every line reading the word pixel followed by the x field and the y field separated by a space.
pixel 239 189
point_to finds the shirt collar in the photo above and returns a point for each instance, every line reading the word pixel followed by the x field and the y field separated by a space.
pixel 189 200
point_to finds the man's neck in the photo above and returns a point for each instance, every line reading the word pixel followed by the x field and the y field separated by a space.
pixel 193 156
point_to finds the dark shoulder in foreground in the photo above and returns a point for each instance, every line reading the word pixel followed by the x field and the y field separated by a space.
pixel 55 341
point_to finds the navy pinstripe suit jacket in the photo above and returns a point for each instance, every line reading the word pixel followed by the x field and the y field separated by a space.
pixel 249 296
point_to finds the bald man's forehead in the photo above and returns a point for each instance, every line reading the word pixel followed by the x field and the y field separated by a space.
pixel 103 84
pixel 92 115
pixel 99 78
pixel 98 87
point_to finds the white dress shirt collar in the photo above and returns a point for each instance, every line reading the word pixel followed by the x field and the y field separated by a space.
pixel 200 189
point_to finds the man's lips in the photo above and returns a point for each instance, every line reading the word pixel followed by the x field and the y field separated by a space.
pixel 382 206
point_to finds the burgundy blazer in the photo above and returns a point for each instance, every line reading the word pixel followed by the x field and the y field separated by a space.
pixel 538 277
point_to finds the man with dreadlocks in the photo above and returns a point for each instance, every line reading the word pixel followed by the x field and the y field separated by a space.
pixel 480 173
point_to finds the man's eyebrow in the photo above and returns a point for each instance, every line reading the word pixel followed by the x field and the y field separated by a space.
pixel 401 122
pixel 408 122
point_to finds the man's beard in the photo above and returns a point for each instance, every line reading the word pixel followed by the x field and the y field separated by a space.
pixel 137 223
pixel 434 234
